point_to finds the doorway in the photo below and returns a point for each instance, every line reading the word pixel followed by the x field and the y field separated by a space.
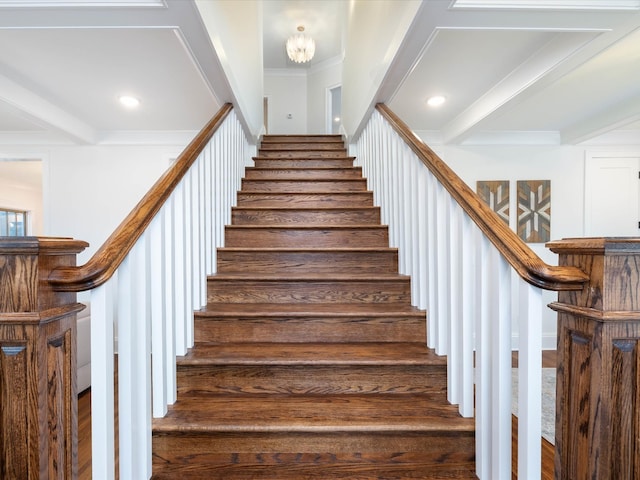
pixel 612 195
pixel 334 109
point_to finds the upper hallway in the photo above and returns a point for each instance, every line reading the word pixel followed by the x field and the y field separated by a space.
pixel 559 72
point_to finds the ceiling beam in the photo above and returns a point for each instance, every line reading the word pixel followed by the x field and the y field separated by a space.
pixel 44 113
pixel 615 117
pixel 531 76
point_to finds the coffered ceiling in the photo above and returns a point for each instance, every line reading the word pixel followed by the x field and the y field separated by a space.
pixel 544 71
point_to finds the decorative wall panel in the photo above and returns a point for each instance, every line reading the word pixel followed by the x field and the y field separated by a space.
pixel 495 193
pixel 534 210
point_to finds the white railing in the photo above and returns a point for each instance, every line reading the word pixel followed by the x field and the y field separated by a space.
pixel 148 306
pixel 467 288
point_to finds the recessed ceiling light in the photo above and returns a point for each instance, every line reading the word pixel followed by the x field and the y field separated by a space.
pixel 436 101
pixel 129 101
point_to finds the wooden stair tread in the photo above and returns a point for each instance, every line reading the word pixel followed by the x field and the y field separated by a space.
pixel 425 413
pixel 310 209
pixel 363 226
pixel 312 354
pixel 302 169
pixel 309 277
pixel 309 310
pixel 306 179
pixel 296 137
pixel 308 192
pixel 258 157
pixel 309 249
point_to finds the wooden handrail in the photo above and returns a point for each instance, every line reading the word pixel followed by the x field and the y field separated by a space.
pixel 110 255
pixel 528 265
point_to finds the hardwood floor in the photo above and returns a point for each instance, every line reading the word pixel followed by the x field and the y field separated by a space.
pixel 84 432
pixel 84 435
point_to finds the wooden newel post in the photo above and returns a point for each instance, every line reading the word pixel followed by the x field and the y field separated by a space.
pixel 598 389
pixel 38 404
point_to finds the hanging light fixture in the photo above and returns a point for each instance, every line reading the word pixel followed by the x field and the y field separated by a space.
pixel 300 48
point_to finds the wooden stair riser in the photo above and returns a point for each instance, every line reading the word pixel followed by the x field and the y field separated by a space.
pixel 346 455
pixel 308 261
pixel 269 139
pixel 305 200
pixel 302 146
pixel 319 237
pixel 346 162
pixel 304 185
pixel 303 154
pixel 308 291
pixel 300 329
pixel 312 379
pixel 305 216
pixel 255 173
pixel 428 447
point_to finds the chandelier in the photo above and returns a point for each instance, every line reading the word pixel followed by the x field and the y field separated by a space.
pixel 300 48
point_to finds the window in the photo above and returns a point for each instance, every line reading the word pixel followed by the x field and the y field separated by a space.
pixel 13 223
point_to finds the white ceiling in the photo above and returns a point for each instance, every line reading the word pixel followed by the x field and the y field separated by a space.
pixel 554 71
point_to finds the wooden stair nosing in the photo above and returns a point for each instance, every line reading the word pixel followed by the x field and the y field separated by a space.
pixel 313 354
pixel 271 159
pixel 296 137
pixel 338 277
pixel 318 310
pixel 310 249
pixel 320 209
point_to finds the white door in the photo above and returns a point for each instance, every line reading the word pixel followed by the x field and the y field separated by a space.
pixel 612 196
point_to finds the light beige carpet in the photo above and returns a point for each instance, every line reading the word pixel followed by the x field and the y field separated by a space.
pixel 548 401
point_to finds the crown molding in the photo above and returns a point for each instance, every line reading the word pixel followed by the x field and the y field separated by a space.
pixel 548 4
pixel 80 3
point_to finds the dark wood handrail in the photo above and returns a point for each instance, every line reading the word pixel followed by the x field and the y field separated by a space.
pixel 110 255
pixel 528 265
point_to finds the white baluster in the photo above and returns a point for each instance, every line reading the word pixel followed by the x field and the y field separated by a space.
pixel 188 257
pixel 102 390
pixel 433 332
pixel 210 250
pixel 442 269
pixel 422 244
pixel 125 372
pixel 169 303
pixel 529 382
pixel 484 445
pixel 500 322
pixel 454 361
pixel 469 312
pixel 156 289
pixel 134 372
pixel 196 274
pixel 180 265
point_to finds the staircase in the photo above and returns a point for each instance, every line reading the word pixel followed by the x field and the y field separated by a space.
pixel 309 360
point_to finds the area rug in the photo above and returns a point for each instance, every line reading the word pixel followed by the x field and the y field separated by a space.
pixel 548 401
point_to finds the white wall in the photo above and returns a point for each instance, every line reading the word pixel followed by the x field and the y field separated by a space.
pixel 375 31
pixel 90 190
pixel 564 166
pixel 301 93
pixel 286 91
pixel 319 81
pixel 235 29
